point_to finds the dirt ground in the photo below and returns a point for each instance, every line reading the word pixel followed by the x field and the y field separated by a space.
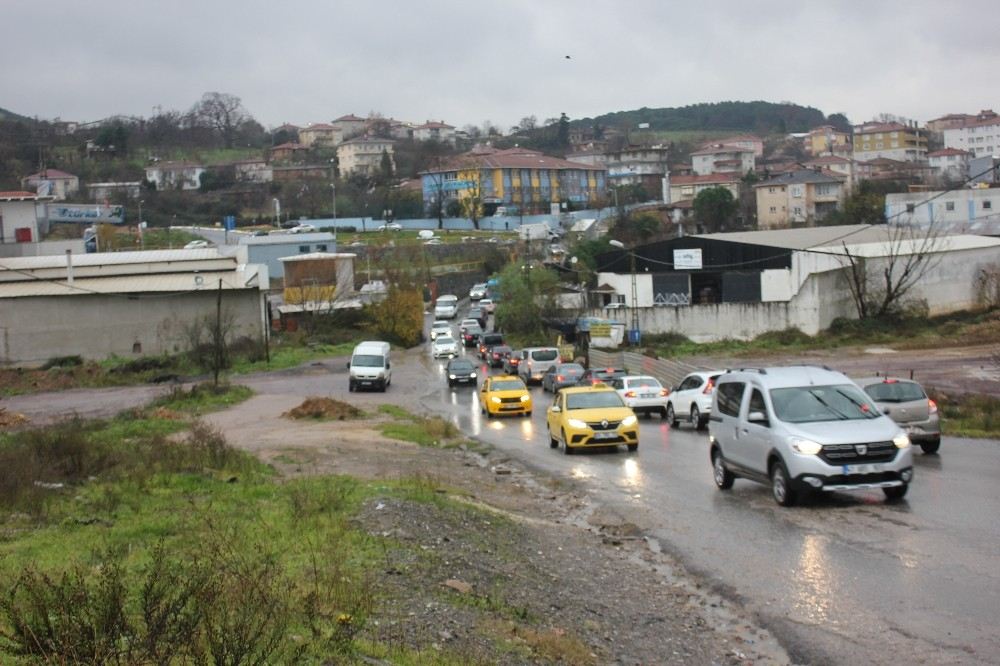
pixel 583 574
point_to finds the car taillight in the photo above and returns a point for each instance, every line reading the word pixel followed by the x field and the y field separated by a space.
pixel 559 378
pixel 664 392
pixel 708 387
pixel 931 406
pixel 629 394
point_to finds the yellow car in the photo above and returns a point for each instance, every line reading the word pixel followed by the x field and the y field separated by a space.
pixel 584 416
pixel 504 394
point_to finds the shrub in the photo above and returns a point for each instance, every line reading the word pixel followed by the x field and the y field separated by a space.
pixel 63 362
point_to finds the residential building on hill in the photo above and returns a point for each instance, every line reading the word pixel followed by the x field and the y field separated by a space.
pixel 798 198
pixel 638 165
pixel 687 187
pixel 288 152
pixel 827 140
pixel 950 163
pixel 883 168
pixel 950 121
pixel 723 158
pixel 434 131
pixel 837 165
pixel 52 183
pixel 175 175
pixel 894 141
pixel 107 191
pixel 350 126
pixel 320 135
pixel 593 157
pixel 747 141
pixel 363 155
pixel 975 210
pixel 980 136
pixel 253 171
pixel 517 179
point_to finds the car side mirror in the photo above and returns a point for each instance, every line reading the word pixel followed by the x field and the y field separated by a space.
pixel 555 409
pixel 387 365
pixel 348 365
pixel 757 417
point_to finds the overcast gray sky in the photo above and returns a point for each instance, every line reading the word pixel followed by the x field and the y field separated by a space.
pixel 305 61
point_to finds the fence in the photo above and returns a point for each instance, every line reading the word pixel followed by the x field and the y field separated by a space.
pixel 670 373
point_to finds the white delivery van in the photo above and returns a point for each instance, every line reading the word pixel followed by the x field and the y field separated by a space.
pixel 369 366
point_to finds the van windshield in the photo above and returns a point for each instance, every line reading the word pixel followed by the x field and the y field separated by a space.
pixel 811 404
pixel 545 355
pixel 368 360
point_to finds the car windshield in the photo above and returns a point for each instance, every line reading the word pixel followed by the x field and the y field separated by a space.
pixel 447 300
pixel 473 330
pixel 445 340
pixel 811 404
pixel 367 361
pixel 441 325
pixel 507 385
pixel 593 400
pixel 893 391
pixel 570 369
pixel 492 339
pixel 460 366
pixel 545 355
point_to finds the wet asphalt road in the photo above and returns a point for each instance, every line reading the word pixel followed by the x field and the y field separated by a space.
pixel 845 579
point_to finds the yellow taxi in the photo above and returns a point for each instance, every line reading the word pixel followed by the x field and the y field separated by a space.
pixel 584 416
pixel 504 394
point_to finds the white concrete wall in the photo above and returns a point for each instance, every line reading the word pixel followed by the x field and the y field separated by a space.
pixel 35 329
pixel 15 215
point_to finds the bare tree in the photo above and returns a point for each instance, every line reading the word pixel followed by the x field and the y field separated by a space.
pixel 879 284
pixel 222 112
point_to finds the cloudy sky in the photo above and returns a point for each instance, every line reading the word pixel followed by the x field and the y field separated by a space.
pixel 463 62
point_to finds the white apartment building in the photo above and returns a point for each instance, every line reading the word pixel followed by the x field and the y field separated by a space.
pixel 979 137
pixel 722 158
pixel 950 163
pixel 363 155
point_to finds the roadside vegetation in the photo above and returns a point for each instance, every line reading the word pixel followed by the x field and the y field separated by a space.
pixel 968 415
pixel 431 431
pixel 958 330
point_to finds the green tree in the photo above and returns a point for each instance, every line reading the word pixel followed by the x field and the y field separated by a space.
pixel 385 167
pixel 636 228
pixel 715 208
pixel 563 135
pixel 527 298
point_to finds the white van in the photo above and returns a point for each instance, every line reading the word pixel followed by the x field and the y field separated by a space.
pixel 369 366
pixel 425 234
pixel 446 306
pixel 535 361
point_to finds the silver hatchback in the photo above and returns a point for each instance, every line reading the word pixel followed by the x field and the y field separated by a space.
pixel 906 403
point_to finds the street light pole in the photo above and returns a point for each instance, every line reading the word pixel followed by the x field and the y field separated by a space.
pixel 142 239
pixel 333 193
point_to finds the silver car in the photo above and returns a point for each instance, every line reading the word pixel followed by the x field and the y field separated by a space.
pixel 444 346
pixel 804 429
pixel 907 404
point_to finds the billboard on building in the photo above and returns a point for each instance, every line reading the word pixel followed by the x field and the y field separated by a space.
pixel 86 213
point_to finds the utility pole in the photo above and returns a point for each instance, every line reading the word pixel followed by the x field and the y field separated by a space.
pixel 333 194
pixel 218 337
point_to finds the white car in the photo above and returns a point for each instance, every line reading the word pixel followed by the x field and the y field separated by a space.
pixel 302 229
pixel 446 307
pixel 444 346
pixel 197 245
pixel 643 394
pixel 487 305
pixel 440 327
pixel 478 291
pixel 691 400
pixel 392 226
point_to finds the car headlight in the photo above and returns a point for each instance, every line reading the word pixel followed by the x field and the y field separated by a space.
pixel 472 374
pixel 629 421
pixel 525 398
pixel 451 376
pixel 576 423
pixel 495 399
pixel 901 441
pixel 806 446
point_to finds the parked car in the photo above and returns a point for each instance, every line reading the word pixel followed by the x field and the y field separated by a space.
pixel 803 430
pixel 440 327
pixel 561 375
pixel 391 226
pixel 486 341
pixel 197 245
pixel 594 376
pixel 478 291
pixel 535 361
pixel 446 306
pixel 302 229
pixel 488 306
pixel 644 394
pixel 461 371
pixel 504 395
pixel 497 354
pixel 583 416
pixel 906 403
pixel 691 400
pixel 444 346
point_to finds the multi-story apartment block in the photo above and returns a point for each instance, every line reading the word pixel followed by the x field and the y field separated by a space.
pixel 434 131
pixel 894 141
pixel 798 198
pixel 517 179
pixel 950 163
pixel 638 165
pixel 687 187
pixel 320 135
pixel 363 155
pixel 827 140
pixel 980 136
pixel 837 165
pixel 723 158
pixel 976 209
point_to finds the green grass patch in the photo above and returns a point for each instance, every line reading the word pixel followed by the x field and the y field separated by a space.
pixel 396 412
pixel 202 398
pixel 969 415
pixel 289 356
pixel 408 427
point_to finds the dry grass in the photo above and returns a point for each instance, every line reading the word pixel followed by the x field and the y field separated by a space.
pixel 324 409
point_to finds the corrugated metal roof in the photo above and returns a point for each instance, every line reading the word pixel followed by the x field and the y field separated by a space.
pixel 833 238
pixel 110 258
pixel 135 284
pixel 313 256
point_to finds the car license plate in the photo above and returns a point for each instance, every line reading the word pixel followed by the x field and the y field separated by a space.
pixel 648 395
pixel 605 435
pixel 862 469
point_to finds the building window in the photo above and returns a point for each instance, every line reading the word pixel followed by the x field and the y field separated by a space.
pixel 773 209
pixel 949 205
pixel 321 248
pixel 987 205
pixel 909 208
pixel 303 249
pixel 798 211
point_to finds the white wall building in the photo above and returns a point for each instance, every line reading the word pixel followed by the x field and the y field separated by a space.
pixel 722 158
pixel 950 163
pixel 175 175
pixel 979 137
pixel 434 131
pixel 363 155
pixel 965 210
pixel 18 218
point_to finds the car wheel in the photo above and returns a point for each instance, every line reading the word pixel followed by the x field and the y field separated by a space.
pixel 694 417
pixel 528 414
pixel 723 477
pixel 896 492
pixel 663 413
pixel 633 448
pixel 350 387
pixel 553 442
pixel 567 449
pixel 451 384
pixel 781 487
pixel 671 417
pixel 931 446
